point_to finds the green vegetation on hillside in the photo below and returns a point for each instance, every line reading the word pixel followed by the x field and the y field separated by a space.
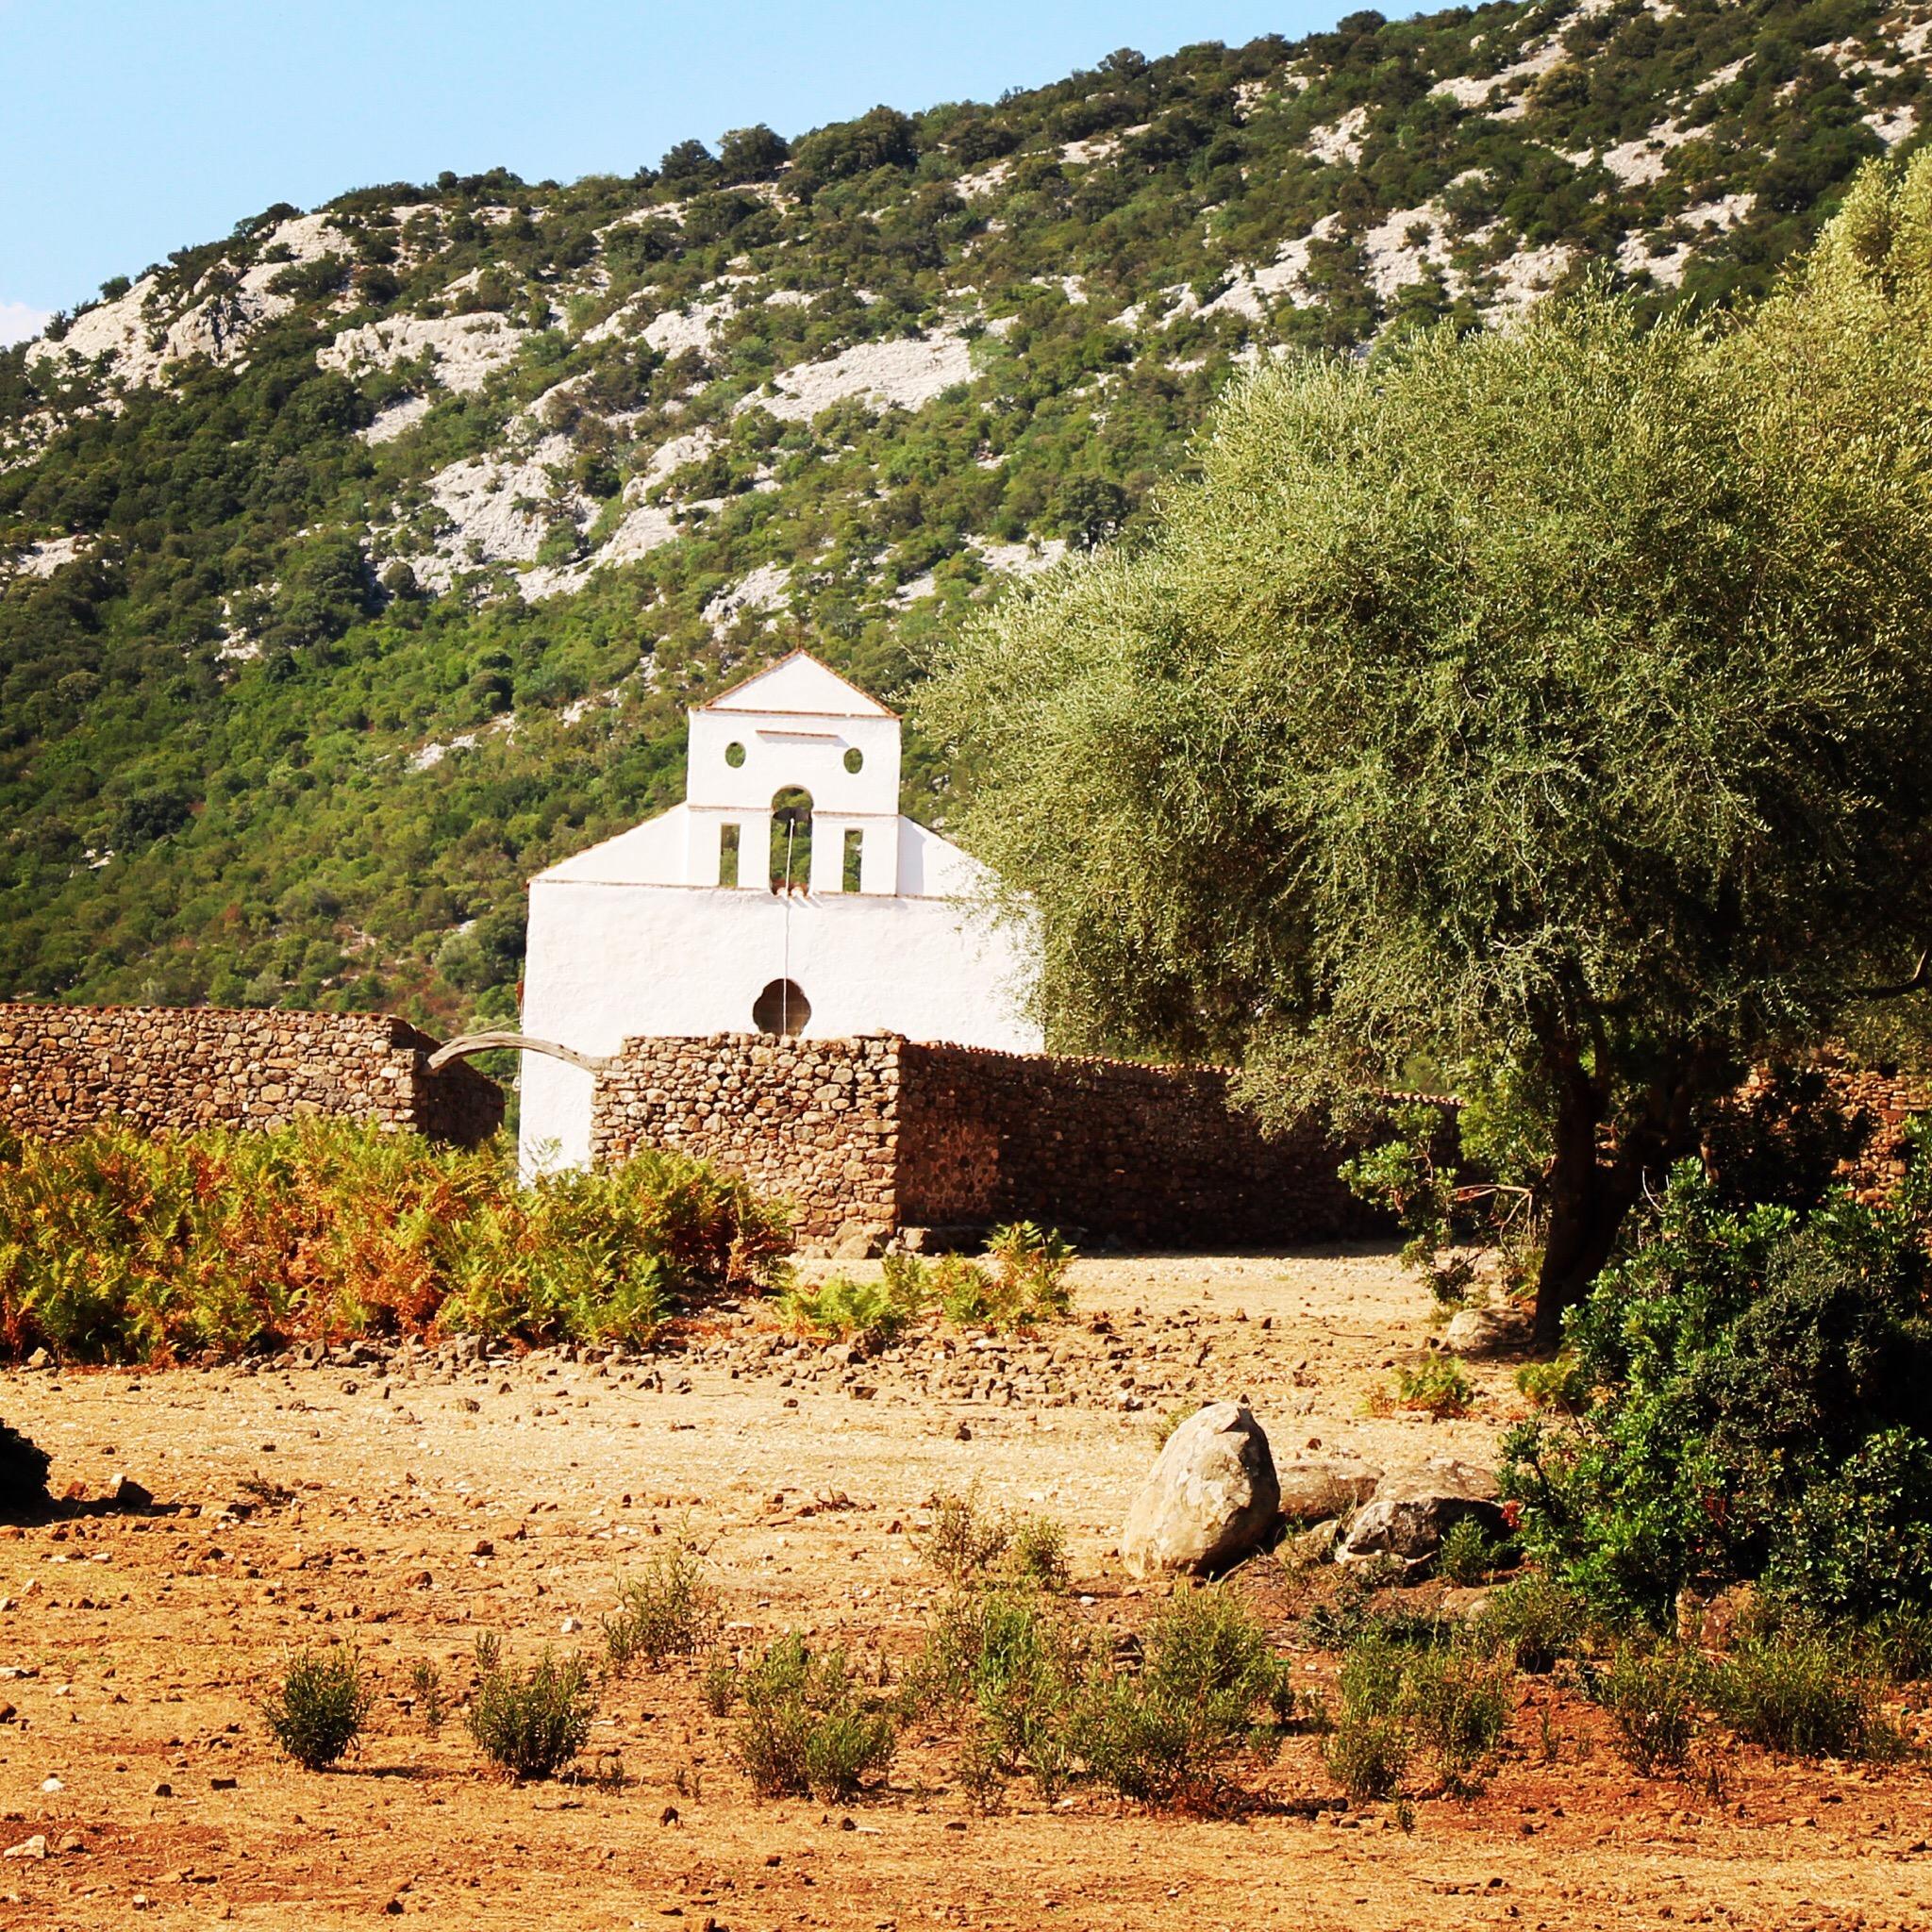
pixel 284 729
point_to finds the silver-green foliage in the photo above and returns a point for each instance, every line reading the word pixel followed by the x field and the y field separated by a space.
pixel 1551 697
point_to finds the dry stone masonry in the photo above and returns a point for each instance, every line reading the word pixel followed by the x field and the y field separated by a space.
pixel 64 1069
pixel 879 1138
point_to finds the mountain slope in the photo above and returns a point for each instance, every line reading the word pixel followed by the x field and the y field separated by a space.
pixel 355 566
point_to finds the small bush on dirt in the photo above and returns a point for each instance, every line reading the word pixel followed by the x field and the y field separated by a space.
pixel 426 1689
pixel 530 1722
pixel 319 1708
pixel 1653 1696
pixel 1037 1554
pixel 1367 1756
pixel 1803 1694
pixel 841 1310
pixel 806 1727
pixel 1899 1644
pixel 1435 1386
pixel 1534 1621
pixel 23 1474
pixel 1208 1683
pixel 1010 1665
pixel 965 1541
pixel 671 1610
pixel 719 1690
pixel 1557 1384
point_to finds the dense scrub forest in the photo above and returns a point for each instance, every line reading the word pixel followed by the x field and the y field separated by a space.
pixel 358 564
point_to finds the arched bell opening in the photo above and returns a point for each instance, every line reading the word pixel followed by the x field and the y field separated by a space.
pixel 791 839
pixel 781 1010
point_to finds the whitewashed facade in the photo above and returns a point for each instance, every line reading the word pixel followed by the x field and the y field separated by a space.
pixel 674 926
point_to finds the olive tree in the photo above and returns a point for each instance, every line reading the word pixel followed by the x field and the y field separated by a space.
pixel 1557 699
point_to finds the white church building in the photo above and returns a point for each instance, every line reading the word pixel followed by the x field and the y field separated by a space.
pixel 710 918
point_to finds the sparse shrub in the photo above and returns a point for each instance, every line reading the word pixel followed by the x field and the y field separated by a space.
pixel 1803 1694
pixel 1535 1621
pixel 1037 1554
pixel 24 1467
pixel 320 1707
pixel 842 1308
pixel 1208 1682
pixel 1899 1642
pixel 720 1687
pixel 1466 1555
pixel 532 1723
pixel 426 1687
pixel 1022 1281
pixel 1435 1386
pixel 1012 1665
pixel 671 1610
pixel 1459 1705
pixel 1367 1756
pixel 1653 1696
pixel 965 1543
pixel 806 1728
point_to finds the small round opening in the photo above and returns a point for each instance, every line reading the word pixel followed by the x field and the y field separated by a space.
pixel 734 755
pixel 854 759
pixel 781 1009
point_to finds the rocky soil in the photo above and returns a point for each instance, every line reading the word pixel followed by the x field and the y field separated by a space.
pixel 408 1502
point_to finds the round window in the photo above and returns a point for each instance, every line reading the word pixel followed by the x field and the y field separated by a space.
pixel 734 755
pixel 854 759
pixel 781 1009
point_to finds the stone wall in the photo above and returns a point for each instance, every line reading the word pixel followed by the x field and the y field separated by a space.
pixel 873 1137
pixel 1873 1104
pixel 1153 1155
pixel 812 1121
pixel 63 1069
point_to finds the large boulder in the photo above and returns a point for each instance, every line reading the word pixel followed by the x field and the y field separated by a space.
pixel 1312 1491
pixel 1414 1509
pixel 1211 1498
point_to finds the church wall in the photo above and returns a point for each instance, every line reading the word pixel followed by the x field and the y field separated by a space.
pixel 64 1069
pixel 608 963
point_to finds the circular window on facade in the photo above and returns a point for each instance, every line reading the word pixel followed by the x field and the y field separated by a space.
pixel 734 753
pixel 781 1009
pixel 854 759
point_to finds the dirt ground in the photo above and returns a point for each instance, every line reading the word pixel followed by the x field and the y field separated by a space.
pixel 433 1499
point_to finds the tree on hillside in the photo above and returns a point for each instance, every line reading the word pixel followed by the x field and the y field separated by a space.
pixel 1549 702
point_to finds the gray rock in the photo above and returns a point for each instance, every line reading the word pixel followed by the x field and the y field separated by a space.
pixel 1315 1544
pixel 1313 1489
pixel 1477 1332
pixel 1211 1498
pixel 1413 1511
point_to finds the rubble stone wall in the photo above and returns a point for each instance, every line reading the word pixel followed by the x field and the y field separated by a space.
pixel 1153 1155
pixel 874 1135
pixel 64 1069
pixel 811 1120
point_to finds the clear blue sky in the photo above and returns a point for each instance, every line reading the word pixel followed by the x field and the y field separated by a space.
pixel 132 127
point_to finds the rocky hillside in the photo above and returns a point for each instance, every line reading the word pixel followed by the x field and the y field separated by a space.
pixel 355 566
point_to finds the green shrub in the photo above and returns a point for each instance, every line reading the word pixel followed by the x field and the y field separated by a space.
pixel 530 1722
pixel 1761 1410
pixel 1557 1384
pixel 319 1708
pixel 1010 1667
pixel 426 1688
pixel 1803 1694
pixel 965 1543
pixel 806 1728
pixel 1466 1555
pixel 1208 1682
pixel 1367 1756
pixel 1534 1621
pixel 842 1308
pixel 1435 1386
pixel 1037 1554
pixel 1652 1696
pixel 123 1246
pixel 671 1610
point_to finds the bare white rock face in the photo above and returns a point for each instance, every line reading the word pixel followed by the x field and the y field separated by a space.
pixel 1211 1497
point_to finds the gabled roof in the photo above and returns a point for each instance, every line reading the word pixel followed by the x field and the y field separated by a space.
pixel 800 683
